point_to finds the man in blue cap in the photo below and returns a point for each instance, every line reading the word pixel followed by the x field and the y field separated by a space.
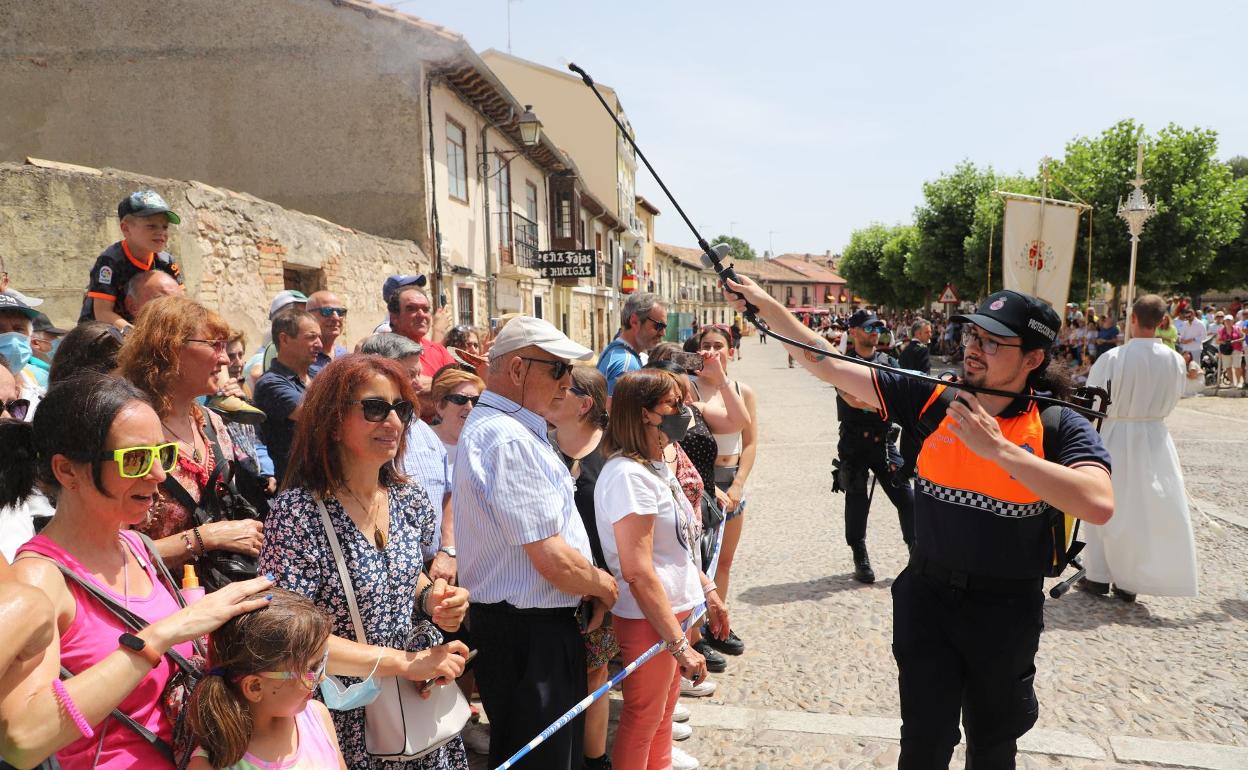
pixel 145 220
pixel 864 449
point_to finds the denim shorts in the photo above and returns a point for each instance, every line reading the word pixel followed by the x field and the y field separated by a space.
pixel 724 476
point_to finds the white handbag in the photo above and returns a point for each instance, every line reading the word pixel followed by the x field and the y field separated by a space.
pixel 400 725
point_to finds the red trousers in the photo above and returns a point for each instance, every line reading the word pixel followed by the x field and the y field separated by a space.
pixel 643 740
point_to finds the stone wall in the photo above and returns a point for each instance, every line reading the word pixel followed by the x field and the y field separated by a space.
pixel 237 250
pixel 316 105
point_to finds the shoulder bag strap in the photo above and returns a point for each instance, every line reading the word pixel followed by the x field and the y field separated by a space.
pixel 343 575
pixel 154 740
pixel 930 418
pixel 211 434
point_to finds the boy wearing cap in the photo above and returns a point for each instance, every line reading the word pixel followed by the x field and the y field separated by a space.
pixel 968 609
pixel 145 220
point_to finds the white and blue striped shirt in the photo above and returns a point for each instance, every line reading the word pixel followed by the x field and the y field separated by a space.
pixel 510 488
pixel 424 460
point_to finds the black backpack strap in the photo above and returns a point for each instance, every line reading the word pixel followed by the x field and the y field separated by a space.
pixel 929 418
pixel 1051 422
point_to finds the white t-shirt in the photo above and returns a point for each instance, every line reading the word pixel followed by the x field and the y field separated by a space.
pixel 625 486
pixel 1191 335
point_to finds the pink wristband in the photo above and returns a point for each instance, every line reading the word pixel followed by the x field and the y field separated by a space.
pixel 62 695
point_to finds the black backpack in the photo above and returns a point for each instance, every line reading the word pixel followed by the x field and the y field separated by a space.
pixel 1063 528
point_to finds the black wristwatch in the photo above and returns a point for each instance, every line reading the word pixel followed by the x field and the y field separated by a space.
pixel 132 643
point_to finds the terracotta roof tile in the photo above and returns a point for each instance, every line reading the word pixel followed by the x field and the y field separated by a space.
pixel 811 269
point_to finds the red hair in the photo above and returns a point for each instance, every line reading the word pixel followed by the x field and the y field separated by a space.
pixel 315 462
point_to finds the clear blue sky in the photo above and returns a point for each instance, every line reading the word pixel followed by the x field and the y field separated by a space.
pixel 811 119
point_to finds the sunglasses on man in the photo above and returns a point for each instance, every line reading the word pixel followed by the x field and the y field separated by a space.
pixel 135 462
pixel 659 326
pixel 378 409
pixel 558 369
pixel 326 312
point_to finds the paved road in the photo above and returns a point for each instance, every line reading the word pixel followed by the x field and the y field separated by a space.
pixel 1121 686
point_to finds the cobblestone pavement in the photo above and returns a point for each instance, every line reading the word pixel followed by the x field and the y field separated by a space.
pixel 1160 681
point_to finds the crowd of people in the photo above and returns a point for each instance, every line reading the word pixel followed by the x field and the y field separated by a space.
pixel 234 553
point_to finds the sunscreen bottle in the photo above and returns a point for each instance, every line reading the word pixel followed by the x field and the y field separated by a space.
pixel 191 590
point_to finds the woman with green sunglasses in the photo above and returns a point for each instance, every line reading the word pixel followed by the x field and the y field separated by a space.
pixel 95 446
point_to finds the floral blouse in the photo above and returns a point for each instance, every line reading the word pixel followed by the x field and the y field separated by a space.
pixel 297 550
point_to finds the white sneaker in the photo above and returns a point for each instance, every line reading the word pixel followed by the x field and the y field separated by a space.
pixel 476 738
pixel 681 731
pixel 682 761
pixel 680 713
pixel 700 690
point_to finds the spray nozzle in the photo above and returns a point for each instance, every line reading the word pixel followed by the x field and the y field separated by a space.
pixel 189 578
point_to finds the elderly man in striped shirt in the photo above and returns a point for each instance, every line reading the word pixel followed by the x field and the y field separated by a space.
pixel 523 551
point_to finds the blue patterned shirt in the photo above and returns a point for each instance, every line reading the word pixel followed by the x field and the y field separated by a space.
pixel 510 488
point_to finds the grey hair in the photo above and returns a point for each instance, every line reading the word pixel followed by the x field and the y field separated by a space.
pixel 917 325
pixel 639 304
pixel 389 345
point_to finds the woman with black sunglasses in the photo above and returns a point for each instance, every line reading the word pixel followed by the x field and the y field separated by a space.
pixel 344 464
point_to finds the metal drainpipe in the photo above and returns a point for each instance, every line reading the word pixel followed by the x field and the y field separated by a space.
pixel 491 283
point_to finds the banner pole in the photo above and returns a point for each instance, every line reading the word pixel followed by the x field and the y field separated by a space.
pixel 992 230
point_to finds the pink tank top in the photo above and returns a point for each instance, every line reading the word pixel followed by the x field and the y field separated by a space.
pixel 90 638
pixel 315 750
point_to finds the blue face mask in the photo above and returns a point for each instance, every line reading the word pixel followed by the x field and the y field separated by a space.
pixel 15 347
pixel 56 343
pixel 358 695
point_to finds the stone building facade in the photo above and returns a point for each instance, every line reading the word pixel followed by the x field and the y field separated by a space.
pixel 237 251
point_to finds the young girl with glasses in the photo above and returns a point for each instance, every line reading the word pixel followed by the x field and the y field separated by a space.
pixel 254 708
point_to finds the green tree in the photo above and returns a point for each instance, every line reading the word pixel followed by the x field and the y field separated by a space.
pixel 874 265
pixel 740 249
pixel 860 263
pixel 944 221
pixel 1199 204
pixel 1229 268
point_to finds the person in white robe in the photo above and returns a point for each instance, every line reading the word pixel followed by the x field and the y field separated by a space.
pixel 1147 546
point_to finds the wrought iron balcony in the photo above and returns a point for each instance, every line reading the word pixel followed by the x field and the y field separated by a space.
pixel 517 239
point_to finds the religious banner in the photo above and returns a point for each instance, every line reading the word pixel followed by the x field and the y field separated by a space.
pixel 1038 247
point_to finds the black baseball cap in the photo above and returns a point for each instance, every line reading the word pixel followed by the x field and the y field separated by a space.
pixel 862 318
pixel 1011 314
pixel 146 203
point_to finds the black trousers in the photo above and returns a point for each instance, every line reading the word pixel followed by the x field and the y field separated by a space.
pixel 530 670
pixel 968 652
pixel 859 454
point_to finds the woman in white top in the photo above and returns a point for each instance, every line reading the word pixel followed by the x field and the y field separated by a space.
pixel 646 526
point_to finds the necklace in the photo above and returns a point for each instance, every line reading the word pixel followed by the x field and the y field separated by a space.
pixel 195 455
pixel 379 537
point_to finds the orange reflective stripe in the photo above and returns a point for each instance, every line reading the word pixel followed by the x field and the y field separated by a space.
pixel 150 257
pixel 947 464
pixel 932 398
pixel 101 295
pixel 875 382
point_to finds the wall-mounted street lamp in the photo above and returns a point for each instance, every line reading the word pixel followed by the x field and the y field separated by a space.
pixel 530 136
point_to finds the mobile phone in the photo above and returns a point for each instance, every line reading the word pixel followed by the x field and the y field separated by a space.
pixel 442 300
pixel 493 325
pixel 428 684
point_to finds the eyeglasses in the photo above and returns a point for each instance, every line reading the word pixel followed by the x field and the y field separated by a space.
pixel 135 462
pixel 557 368
pixel 326 312
pixel 218 346
pixel 988 346
pixel 17 408
pixel 378 409
pixel 459 399
pixel 658 325
pixel 309 679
